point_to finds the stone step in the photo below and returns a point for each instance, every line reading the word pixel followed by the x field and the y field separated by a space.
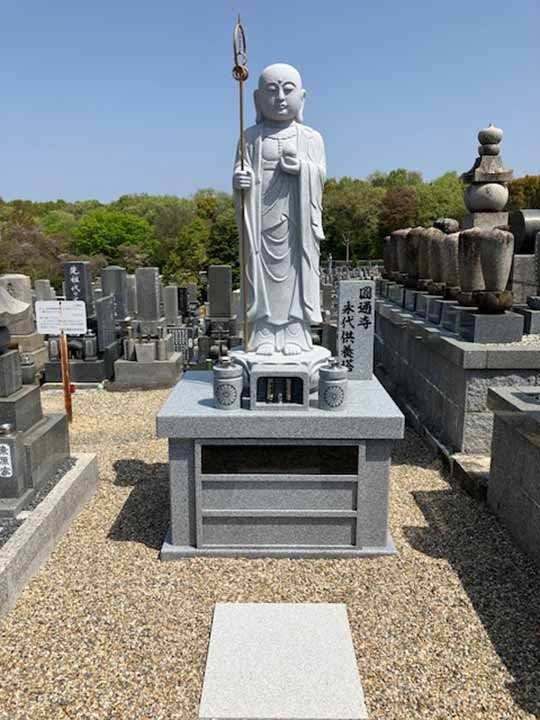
pixel 284 660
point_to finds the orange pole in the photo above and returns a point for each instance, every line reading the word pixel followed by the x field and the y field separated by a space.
pixel 64 361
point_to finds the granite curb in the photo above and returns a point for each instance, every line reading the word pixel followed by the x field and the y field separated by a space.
pixel 32 544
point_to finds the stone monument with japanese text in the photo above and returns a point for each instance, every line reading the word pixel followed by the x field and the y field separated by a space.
pixel 282 474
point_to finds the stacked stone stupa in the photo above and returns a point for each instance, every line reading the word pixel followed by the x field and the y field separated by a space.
pixel 487 192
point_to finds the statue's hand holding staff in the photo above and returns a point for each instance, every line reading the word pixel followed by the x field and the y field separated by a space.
pixel 290 163
pixel 242 180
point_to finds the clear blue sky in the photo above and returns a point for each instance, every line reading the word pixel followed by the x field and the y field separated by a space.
pixel 106 97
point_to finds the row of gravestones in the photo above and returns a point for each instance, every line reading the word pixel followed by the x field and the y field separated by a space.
pixel 330 278
pixel 32 446
pixel 152 322
pixel 461 279
pixel 126 312
pixel 450 277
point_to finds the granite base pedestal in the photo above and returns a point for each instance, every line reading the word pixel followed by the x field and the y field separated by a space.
pixel 387 288
pixel 502 328
pixel 514 479
pixel 28 343
pixel 411 299
pixel 396 293
pixel 36 444
pixel 269 483
pixel 441 381
pixel 130 374
pixel 436 309
pixel 531 320
pixel 451 316
pixel 424 302
pixel 94 371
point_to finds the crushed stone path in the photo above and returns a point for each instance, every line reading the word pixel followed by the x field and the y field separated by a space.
pixel 448 628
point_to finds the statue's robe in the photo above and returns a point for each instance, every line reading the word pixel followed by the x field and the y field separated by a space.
pixel 283 258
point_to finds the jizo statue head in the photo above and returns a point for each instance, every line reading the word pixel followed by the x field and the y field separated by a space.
pixel 280 96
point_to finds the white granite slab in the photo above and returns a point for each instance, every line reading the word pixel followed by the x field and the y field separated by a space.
pixel 287 661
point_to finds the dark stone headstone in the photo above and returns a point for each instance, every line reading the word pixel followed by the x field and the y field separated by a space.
pixel 170 302
pixel 114 282
pixel 187 298
pixel 78 283
pixel 148 283
pixel 220 291
pixel 106 326
pixel 131 296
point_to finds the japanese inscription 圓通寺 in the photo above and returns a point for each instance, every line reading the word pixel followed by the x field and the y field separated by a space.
pixel 356 299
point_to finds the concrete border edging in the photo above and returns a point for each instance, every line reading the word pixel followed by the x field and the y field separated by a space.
pixel 31 545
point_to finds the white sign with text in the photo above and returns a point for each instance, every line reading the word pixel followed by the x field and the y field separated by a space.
pixel 56 316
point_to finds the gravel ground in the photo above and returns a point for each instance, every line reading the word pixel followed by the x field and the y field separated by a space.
pixel 449 628
pixel 531 342
pixel 7 528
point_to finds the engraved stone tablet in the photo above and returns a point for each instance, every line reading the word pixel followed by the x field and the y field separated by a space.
pixel 6 466
pixel 356 317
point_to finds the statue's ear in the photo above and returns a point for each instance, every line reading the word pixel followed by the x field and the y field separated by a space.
pixel 300 114
pixel 258 113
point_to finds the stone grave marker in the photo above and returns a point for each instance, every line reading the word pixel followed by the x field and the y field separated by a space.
pixel 106 327
pixel 78 283
pixel 220 291
pixel 114 282
pixel 148 291
pixel 43 289
pixel 170 302
pixel 131 286
pixel 356 316
pixel 18 286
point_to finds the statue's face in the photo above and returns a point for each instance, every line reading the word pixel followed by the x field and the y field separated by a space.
pixel 280 96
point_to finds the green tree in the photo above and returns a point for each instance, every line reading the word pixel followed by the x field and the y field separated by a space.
pixel 351 210
pixel 223 243
pixel 104 231
pixel 399 210
pixel 58 224
pixel 83 207
pixel 172 215
pixel 395 179
pixel 190 254
pixel 524 193
pixel 25 249
pixel 441 198
pixel 210 203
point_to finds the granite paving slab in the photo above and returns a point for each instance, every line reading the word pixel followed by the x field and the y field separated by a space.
pixel 281 660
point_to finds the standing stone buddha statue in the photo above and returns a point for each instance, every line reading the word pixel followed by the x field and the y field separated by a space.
pixel 282 180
